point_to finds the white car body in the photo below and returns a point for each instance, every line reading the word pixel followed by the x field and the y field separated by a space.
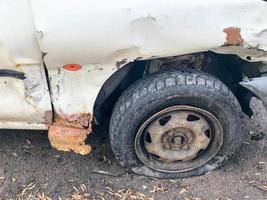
pixel 99 35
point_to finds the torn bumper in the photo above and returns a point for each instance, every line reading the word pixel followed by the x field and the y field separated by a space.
pixel 258 86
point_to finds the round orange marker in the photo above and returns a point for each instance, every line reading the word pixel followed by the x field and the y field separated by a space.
pixel 72 67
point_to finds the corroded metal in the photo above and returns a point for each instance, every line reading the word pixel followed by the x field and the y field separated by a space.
pixel 233 36
pixel 68 133
pixel 75 120
pixel 69 139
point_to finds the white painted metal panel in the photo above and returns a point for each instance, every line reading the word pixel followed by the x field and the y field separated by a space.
pixel 23 103
pixel 97 34
pixel 18 42
pixel 75 92
pixel 90 32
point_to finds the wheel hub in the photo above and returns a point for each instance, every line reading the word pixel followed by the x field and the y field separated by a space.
pixel 177 139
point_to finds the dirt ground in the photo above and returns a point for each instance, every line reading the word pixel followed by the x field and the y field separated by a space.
pixel 31 169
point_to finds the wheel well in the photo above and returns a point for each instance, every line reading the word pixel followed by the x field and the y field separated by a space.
pixel 113 88
pixel 230 69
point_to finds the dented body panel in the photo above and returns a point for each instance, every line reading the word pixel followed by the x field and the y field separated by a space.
pixel 99 37
pixel 24 99
pixel 97 34
pixel 40 35
pixel 24 102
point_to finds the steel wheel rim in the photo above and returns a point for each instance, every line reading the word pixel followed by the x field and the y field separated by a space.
pixel 164 150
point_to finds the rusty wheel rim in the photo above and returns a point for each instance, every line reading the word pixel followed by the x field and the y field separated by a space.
pixel 178 139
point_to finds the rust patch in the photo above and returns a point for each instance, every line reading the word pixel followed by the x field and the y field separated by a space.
pixel 233 36
pixel 69 139
pixel 48 117
pixel 68 133
pixel 75 120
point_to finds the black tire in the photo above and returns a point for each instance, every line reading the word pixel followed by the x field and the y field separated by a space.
pixel 162 90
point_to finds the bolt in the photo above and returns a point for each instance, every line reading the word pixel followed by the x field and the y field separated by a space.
pixel 178 140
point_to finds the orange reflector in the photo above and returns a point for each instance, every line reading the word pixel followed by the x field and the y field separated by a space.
pixel 72 67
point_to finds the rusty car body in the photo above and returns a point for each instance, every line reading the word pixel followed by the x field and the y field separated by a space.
pixel 64 63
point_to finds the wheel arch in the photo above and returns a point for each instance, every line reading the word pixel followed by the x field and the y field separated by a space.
pixel 113 88
pixel 230 69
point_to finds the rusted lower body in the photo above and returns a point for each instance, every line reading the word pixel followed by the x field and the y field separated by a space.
pixel 69 133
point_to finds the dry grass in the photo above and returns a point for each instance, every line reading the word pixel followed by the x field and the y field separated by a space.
pixel 128 194
pixel 34 191
pixel 31 192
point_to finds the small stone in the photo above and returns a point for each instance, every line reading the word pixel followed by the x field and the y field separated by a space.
pixel 144 187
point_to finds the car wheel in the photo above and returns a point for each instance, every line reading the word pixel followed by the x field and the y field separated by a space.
pixel 175 124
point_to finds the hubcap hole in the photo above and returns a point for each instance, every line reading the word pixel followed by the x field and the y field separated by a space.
pixel 148 138
pixel 156 156
pixel 207 133
pixel 164 120
pixel 192 118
